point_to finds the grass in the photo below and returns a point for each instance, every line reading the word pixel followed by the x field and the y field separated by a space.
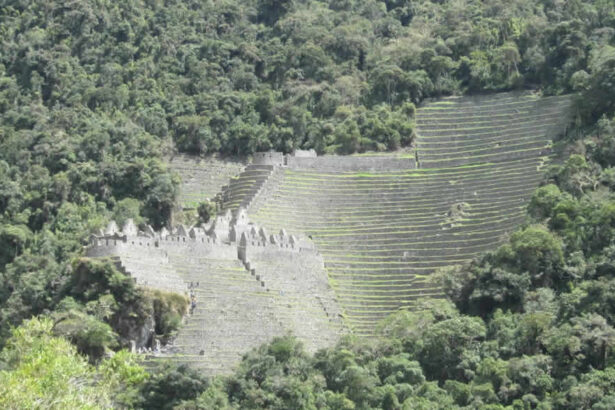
pixel 402 206
pixel 438 152
pixel 438 106
pixel 442 172
pixel 515 117
pixel 357 187
pixel 493 132
pixel 420 190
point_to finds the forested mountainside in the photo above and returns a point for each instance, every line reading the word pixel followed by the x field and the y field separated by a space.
pixel 94 93
pixel 235 77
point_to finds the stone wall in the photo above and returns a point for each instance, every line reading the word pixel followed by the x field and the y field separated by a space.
pixel 350 163
pixel 142 258
pixel 248 285
pixel 268 158
pixel 307 159
pixel 203 178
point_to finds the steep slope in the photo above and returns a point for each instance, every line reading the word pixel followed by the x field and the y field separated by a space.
pixel 462 130
pixel 383 231
pixel 247 287
pixel 203 178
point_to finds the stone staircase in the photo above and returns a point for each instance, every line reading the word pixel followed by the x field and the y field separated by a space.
pixel 234 313
pixel 242 190
pixel 203 178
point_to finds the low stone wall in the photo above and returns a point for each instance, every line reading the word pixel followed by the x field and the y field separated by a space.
pixel 145 247
pixel 268 158
pixel 346 163
pixel 199 247
pixel 143 259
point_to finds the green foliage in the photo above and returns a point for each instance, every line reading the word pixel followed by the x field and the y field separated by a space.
pixel 599 86
pixel 29 287
pixel 112 297
pixel 445 343
pixel 214 398
pixel 127 208
pixel 537 251
pixel 169 308
pixel 206 211
pixel 169 385
pixel 41 370
pixel 240 77
pixel 90 335
pixel 544 200
pixel 124 376
pixel 13 239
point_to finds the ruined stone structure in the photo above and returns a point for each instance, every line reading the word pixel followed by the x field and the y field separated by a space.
pixel 249 285
pixel 339 242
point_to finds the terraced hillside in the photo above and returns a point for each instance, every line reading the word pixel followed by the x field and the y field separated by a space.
pixel 246 291
pixel 237 312
pixel 383 231
pixel 203 178
pixel 243 188
pixel 461 130
pixel 216 335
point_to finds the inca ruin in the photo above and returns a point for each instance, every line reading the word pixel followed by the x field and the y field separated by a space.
pixel 321 246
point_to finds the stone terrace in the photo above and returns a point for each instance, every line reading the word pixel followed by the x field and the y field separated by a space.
pixel 382 231
pixel 203 178
pixel 462 130
pixel 249 286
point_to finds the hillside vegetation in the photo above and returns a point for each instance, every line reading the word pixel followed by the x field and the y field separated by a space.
pixel 238 76
pixel 93 93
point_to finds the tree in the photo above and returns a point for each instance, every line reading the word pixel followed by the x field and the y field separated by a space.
pixel 206 211
pixel 170 385
pixel 538 252
pixel 270 11
pixel 46 371
pixel 127 208
pixel 444 344
pixel 508 57
pixel 598 96
pixel 13 238
pixel 544 200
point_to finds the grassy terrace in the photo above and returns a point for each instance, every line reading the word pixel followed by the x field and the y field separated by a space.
pixel 203 178
pixel 379 253
pixel 235 313
pixel 382 233
pixel 467 128
pixel 242 188
pixel 226 296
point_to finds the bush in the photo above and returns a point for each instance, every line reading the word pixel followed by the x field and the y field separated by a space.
pixel 169 309
pixel 206 211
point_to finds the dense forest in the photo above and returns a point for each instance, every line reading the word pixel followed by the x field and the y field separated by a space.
pixel 94 94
